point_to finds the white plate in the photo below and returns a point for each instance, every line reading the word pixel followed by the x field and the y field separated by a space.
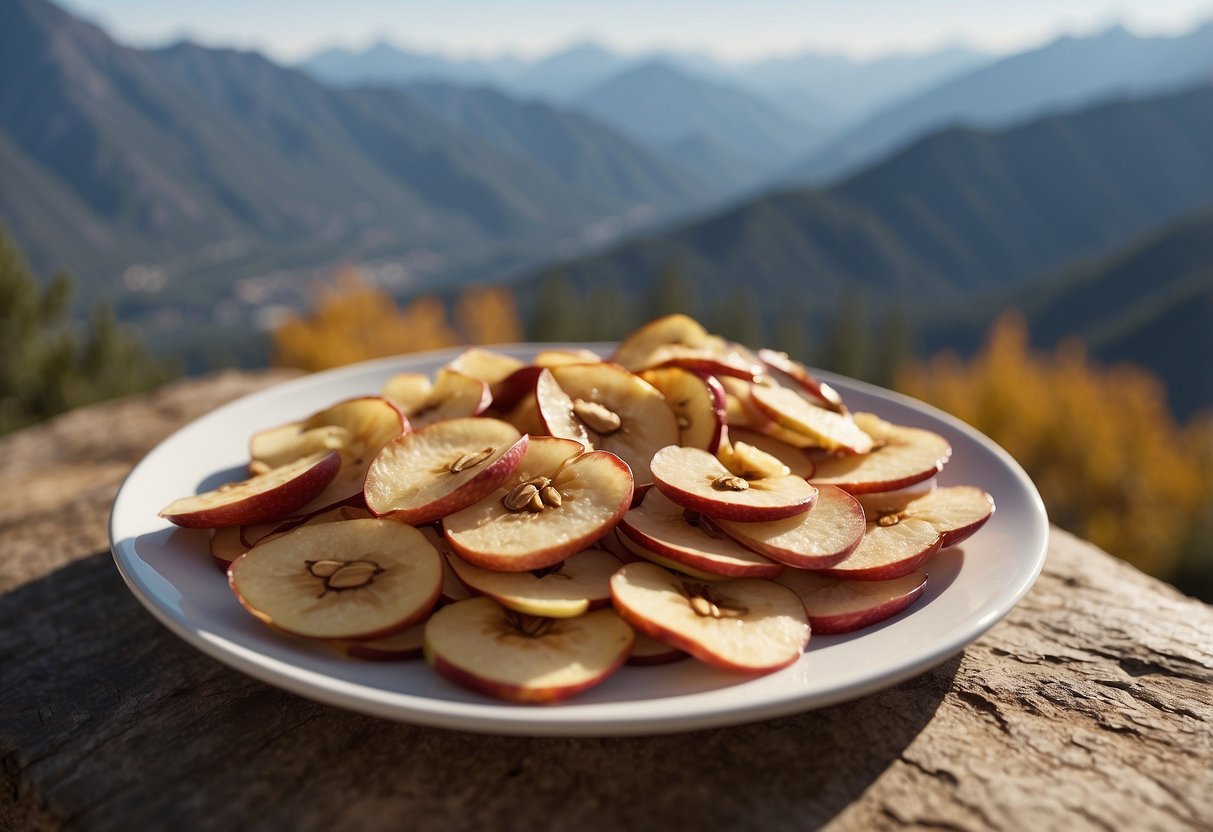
pixel 170 571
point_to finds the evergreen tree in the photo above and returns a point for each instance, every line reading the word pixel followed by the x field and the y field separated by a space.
pixel 846 350
pixel 559 311
pixel 672 292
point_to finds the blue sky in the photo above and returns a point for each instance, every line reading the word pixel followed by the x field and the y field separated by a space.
pixel 291 29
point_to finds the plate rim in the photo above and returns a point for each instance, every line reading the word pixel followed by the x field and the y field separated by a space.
pixel 562 720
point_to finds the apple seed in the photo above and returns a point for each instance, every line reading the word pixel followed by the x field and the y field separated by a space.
pixel 887 520
pixel 340 575
pixel 705 605
pixel 551 496
pixel 730 482
pixel 470 460
pixel 531 626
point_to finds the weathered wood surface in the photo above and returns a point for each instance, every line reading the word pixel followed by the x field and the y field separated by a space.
pixel 1090 707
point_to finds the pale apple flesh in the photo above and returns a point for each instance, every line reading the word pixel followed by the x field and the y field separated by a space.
pixel 260 499
pixel 230 542
pixel 836 605
pixel 744 625
pixel 698 402
pixel 635 352
pixel 902 456
pixel 555 409
pixel 356 579
pixel 820 538
pixel 424 475
pixel 798 461
pixel 564 590
pixel 831 430
pixel 790 372
pixel 697 480
pixel 559 501
pixel 648 652
pixel 453 589
pixel 643 554
pixel 482 646
pixel 663 527
pixel 486 365
pixel 451 396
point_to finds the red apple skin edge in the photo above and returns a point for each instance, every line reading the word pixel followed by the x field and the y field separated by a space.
pixel 955 536
pixel 888 571
pixel 515 693
pixel 513 387
pixel 653 660
pixel 829 625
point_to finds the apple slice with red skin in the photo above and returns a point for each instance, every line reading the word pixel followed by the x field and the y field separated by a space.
pixel 453 589
pixel 357 579
pixel 425 475
pixel 818 539
pixel 699 481
pixel 836 605
pixel 510 390
pixel 622 413
pixel 799 462
pixel 904 532
pixel 482 646
pixel 488 366
pixel 230 542
pixel 635 352
pixel 902 456
pixel 556 357
pixel 829 429
pixel 259 499
pixel 567 589
pixel 741 412
pixel 641 553
pixel 792 374
pixel 559 501
pixel 556 411
pixel 399 647
pixel 451 395
pixel 648 652
pixel 698 403
pixel 744 625
pixel 665 528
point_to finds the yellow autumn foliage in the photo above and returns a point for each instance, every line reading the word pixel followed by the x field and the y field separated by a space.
pixel 1100 443
pixel 354 321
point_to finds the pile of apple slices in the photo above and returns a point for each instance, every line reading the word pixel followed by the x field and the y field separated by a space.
pixel 530 528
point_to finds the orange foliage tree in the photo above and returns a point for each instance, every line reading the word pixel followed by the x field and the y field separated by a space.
pixel 1100 443
pixel 354 321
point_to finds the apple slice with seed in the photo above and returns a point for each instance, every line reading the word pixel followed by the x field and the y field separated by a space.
pixel 832 431
pixel 563 590
pixel 559 501
pixel 358 579
pixel 698 403
pixel 790 373
pixel 403 646
pixel 903 532
pixel 699 481
pixel 450 396
pixel 902 456
pixel 817 539
pixel 745 625
pixel 622 413
pixel 423 476
pixel 556 411
pixel 262 498
pixel 836 605
pixel 662 526
pixel 799 462
pixel 485 647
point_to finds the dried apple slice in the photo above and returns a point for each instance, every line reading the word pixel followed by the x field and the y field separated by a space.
pixel 698 402
pixel 556 357
pixel 792 374
pixel 486 365
pixel 635 352
pixel 902 456
pixel 230 542
pixel 640 553
pixel 798 461
pixel 451 396
pixel 425 475
pixel 745 625
pixel 563 590
pixel 453 589
pixel 816 539
pixel 699 481
pixel 836 605
pixel 621 412
pixel 485 647
pixel 556 411
pixel 359 579
pixel 647 652
pixel 403 646
pixel 903 532
pixel 560 500
pixel 832 431
pixel 259 499
pixel 662 526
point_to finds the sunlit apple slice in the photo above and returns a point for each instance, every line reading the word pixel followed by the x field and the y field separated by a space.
pixel 699 481
pixel 798 461
pixel 259 499
pixel 836 605
pixel 357 579
pixel 641 553
pixel 902 456
pixel 556 357
pixel 741 412
pixel 714 356
pixel 231 542
pixel 509 391
pixel 621 412
pixel 817 539
pixel 485 647
pixel 403 646
pixel 832 431
pixel 563 590
pixel 663 527
pixel 559 501
pixel 648 652
pixel 488 366
pixel 453 589
pixel 791 373
pixel 635 352
pixel 556 411
pixel 451 396
pixel 903 533
pixel 745 625
pixel 427 474
pixel 698 403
